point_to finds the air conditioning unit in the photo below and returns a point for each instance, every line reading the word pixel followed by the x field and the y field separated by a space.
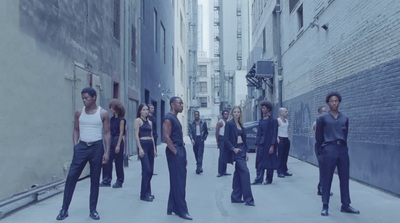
pixel 265 69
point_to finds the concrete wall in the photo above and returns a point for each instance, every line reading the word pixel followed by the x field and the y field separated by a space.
pixel 50 49
pixel 357 56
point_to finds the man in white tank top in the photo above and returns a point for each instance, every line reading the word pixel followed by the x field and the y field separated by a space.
pixel 283 143
pixel 219 136
pixel 92 123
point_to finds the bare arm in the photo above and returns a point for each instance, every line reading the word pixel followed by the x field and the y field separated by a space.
pixel 121 134
pixel 107 136
pixel 152 138
pixel 219 125
pixel 138 122
pixel 167 136
pixel 75 134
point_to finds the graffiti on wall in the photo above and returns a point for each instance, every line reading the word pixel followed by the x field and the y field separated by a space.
pixel 302 123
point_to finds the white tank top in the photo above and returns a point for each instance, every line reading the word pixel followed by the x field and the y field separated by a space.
pixel 283 128
pixel 222 129
pixel 90 126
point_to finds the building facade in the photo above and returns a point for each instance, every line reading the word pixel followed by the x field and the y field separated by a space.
pixel 335 45
pixel 180 60
pixel 157 56
pixel 51 50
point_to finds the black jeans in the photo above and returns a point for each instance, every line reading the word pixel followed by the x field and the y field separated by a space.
pixel 335 156
pixel 119 163
pixel 177 181
pixel 198 150
pixel 83 154
pixel 283 154
pixel 241 179
pixel 147 167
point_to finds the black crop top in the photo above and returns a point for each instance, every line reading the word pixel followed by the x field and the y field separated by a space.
pixel 145 129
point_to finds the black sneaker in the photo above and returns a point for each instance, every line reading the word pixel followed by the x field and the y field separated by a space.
pixel 62 215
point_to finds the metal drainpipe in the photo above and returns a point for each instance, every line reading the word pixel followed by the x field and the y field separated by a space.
pixel 279 53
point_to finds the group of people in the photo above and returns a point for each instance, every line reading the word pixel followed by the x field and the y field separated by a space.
pixel 97 139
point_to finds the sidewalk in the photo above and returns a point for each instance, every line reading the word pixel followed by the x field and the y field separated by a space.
pixel 286 200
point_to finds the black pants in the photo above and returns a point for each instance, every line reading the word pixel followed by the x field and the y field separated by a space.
pixel 241 179
pixel 335 156
pixel 177 181
pixel 119 163
pixel 260 174
pixel 198 150
pixel 83 154
pixel 283 154
pixel 147 167
pixel 222 159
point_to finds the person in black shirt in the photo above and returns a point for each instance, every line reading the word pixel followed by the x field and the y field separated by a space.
pixel 176 158
pixel 331 145
pixel 198 133
pixel 266 152
pixel 146 150
pixel 117 149
pixel 153 120
pixel 235 142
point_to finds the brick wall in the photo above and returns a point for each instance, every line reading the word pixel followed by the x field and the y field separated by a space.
pixel 358 56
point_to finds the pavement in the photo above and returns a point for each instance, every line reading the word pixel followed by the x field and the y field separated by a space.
pixel 286 200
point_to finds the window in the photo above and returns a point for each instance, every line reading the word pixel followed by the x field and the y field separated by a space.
pixel 133 48
pixel 300 16
pixel 116 19
pixel 116 90
pixel 173 60
pixel 202 87
pixel 162 41
pixel 264 41
pixel 292 4
pixel 155 31
pixel 143 11
pixel 202 71
pixel 181 27
pixel 203 102
pixel 182 69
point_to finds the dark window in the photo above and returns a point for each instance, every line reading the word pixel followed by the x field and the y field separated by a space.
pixel 162 41
pixel 203 102
pixel 264 41
pixel 173 60
pixel 292 4
pixel 300 16
pixel 116 90
pixel 155 31
pixel 116 19
pixel 146 96
pixel 133 49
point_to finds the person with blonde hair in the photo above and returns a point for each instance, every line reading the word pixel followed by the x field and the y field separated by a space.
pixel 235 142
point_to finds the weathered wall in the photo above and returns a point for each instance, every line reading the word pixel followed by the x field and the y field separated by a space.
pixel 39 42
pixel 357 56
pixel 157 76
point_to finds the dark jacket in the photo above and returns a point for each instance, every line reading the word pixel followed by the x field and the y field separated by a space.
pixel 270 137
pixel 230 139
pixel 203 130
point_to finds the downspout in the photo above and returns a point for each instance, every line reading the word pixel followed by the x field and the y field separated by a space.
pixel 279 50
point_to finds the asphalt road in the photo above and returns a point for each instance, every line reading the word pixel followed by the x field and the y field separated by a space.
pixel 290 199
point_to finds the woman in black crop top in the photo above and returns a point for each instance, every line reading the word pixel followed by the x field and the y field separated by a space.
pixel 146 150
pixel 117 149
pixel 235 142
